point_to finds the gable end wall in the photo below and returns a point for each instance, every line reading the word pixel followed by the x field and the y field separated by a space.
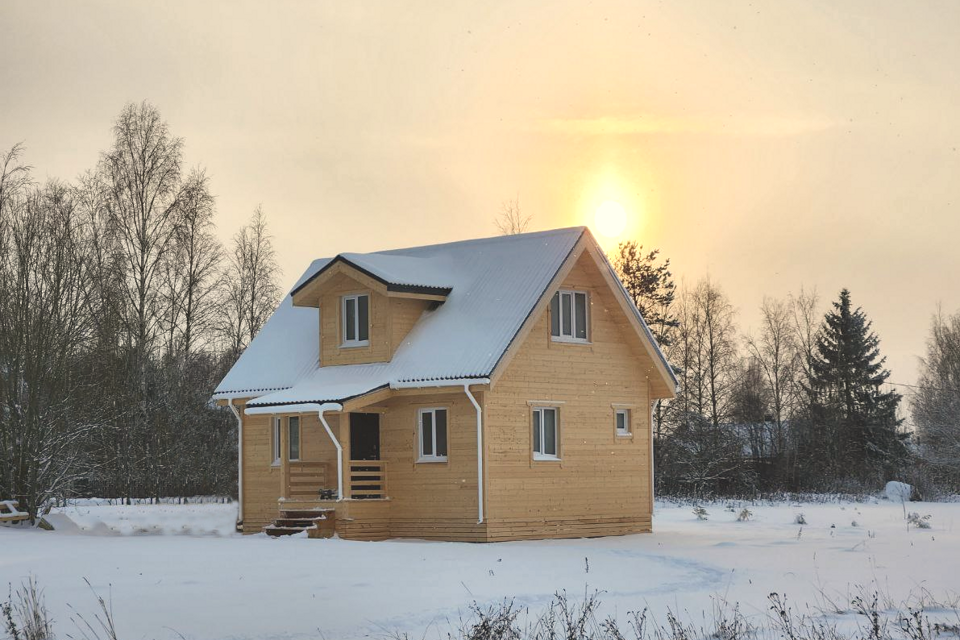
pixel 601 485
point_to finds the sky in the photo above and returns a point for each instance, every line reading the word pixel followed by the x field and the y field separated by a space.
pixel 769 146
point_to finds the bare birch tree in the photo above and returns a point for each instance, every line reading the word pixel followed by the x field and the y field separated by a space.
pixel 251 289
pixel 715 349
pixel 192 275
pixel 936 402
pixel 701 452
pixel 511 220
pixel 144 192
pixel 43 330
pixel 775 352
pixel 806 316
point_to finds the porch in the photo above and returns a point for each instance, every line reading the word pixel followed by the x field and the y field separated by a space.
pixel 330 473
pixel 360 469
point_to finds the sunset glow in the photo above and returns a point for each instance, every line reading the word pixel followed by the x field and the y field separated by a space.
pixel 610 219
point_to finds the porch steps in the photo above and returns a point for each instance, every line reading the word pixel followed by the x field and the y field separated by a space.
pixel 318 523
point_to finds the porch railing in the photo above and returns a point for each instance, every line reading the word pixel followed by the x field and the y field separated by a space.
pixel 304 478
pixel 367 479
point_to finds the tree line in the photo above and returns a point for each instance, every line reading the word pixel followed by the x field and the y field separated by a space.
pixel 120 310
pixel 801 404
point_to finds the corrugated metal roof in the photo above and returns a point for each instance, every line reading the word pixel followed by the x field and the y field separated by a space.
pixel 494 282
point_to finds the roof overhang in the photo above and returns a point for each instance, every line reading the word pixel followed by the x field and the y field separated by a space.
pixel 362 399
pixel 303 407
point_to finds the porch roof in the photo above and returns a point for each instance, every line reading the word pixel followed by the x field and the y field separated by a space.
pixel 329 384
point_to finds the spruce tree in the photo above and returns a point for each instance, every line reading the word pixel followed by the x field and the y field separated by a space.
pixel 854 420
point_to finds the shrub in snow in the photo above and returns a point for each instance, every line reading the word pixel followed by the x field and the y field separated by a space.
pixel 700 512
pixel 869 608
pixel 920 522
pixel 25 615
pixel 496 622
pixel 898 491
pixel 799 519
pixel 745 515
pixel 568 619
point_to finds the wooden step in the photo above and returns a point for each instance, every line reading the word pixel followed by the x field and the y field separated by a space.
pixel 318 523
pixel 306 514
pixel 275 531
pixel 295 522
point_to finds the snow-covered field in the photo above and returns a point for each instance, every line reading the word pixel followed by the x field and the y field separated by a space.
pixel 175 570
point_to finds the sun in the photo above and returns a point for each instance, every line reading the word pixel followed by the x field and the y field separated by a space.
pixel 610 219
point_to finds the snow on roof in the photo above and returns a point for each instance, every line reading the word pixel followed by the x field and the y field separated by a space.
pixel 431 273
pixel 494 284
pixel 286 349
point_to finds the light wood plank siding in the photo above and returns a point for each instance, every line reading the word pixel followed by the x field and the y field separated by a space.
pixel 261 481
pixel 601 484
pixel 390 321
pixel 431 499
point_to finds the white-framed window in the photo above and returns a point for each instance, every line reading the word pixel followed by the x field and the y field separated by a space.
pixel 546 433
pixel 622 418
pixel 432 440
pixel 355 320
pixel 275 441
pixel 293 437
pixel 569 316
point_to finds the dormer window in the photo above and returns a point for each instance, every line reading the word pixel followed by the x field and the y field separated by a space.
pixel 568 316
pixel 356 320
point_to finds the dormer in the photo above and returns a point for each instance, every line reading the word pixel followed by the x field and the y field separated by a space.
pixel 369 303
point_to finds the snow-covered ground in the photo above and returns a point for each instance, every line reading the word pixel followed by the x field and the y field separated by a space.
pixel 194 577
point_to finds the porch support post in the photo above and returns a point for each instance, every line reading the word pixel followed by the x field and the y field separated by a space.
pixel 476 405
pixel 336 443
pixel 284 454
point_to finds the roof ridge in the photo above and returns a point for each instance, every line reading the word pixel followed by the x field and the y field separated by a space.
pixel 488 239
pixel 468 241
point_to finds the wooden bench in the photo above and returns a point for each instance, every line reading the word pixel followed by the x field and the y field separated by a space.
pixel 10 513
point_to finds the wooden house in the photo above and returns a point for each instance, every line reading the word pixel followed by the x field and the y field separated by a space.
pixel 485 390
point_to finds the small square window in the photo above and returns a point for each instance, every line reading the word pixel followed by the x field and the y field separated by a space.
pixel 569 316
pixel 545 434
pixel 433 435
pixel 356 320
pixel 623 422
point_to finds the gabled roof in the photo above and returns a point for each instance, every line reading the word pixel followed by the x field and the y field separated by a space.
pixel 397 272
pixel 494 285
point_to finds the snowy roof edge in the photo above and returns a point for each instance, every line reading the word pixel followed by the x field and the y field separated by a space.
pixel 391 286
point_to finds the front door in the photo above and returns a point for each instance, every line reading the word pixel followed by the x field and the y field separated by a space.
pixel 364 436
